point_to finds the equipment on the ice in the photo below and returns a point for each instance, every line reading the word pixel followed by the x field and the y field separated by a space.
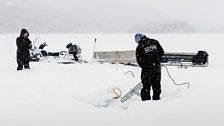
pixel 174 82
pixel 185 59
pixel 63 57
pixel 115 92
pixel 199 59
pixel 133 91
pixel 132 74
pixel 43 45
pixel 94 47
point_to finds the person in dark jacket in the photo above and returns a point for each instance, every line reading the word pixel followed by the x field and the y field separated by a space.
pixel 148 55
pixel 23 54
pixel 74 50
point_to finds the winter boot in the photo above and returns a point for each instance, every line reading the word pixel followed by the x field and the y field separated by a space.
pixel 26 66
pixel 75 57
pixel 20 67
pixel 145 94
pixel 156 94
pixel 155 97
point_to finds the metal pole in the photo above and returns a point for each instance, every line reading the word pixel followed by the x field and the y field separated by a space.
pixel 94 46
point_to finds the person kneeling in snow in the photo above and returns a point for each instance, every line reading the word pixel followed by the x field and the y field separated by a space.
pixel 148 55
pixel 74 49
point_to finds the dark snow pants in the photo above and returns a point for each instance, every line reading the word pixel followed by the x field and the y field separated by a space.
pixel 74 55
pixel 23 59
pixel 151 78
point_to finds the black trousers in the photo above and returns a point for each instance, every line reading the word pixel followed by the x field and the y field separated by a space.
pixel 74 55
pixel 23 59
pixel 151 78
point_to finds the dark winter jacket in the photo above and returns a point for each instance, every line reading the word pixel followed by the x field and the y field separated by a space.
pixel 23 46
pixel 148 53
pixel 73 49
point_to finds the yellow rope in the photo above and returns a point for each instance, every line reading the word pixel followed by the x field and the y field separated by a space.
pixel 115 92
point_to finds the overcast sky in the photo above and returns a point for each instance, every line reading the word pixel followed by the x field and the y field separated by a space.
pixel 118 12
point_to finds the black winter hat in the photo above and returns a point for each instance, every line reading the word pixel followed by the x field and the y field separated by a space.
pixel 68 45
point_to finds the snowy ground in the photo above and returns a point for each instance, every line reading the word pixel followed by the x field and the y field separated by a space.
pixel 51 94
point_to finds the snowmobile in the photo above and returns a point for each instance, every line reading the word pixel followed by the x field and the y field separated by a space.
pixel 41 55
pixel 199 59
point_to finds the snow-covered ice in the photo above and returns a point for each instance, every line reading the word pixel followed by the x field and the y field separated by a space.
pixel 51 94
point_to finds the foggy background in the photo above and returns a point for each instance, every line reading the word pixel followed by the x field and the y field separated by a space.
pixel 112 16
